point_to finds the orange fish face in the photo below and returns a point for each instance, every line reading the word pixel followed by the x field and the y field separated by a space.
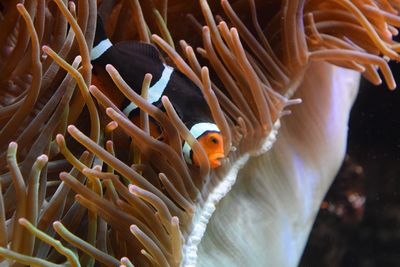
pixel 213 145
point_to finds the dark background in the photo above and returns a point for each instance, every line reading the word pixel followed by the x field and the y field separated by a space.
pixel 367 235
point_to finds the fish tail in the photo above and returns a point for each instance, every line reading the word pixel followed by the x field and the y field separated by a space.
pixel 101 42
pixel 100 32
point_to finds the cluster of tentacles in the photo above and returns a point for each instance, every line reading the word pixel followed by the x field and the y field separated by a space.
pixel 71 195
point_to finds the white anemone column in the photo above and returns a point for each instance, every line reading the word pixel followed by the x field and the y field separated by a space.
pixel 266 218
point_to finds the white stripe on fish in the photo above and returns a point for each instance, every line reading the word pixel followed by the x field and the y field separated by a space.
pixel 99 49
pixel 156 91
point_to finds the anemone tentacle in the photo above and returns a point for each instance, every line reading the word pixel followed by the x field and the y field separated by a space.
pixel 81 184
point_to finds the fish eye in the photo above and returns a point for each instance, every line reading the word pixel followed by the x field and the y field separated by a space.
pixel 214 140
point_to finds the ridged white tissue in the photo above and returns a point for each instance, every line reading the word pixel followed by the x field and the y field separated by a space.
pixel 266 218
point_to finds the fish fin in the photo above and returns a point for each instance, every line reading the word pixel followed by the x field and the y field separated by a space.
pixel 135 48
pixel 155 129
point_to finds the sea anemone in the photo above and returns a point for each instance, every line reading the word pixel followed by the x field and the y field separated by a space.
pixel 73 194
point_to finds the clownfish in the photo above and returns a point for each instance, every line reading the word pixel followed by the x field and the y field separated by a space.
pixel 135 59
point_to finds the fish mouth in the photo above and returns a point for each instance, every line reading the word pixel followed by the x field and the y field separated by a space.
pixel 215 159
